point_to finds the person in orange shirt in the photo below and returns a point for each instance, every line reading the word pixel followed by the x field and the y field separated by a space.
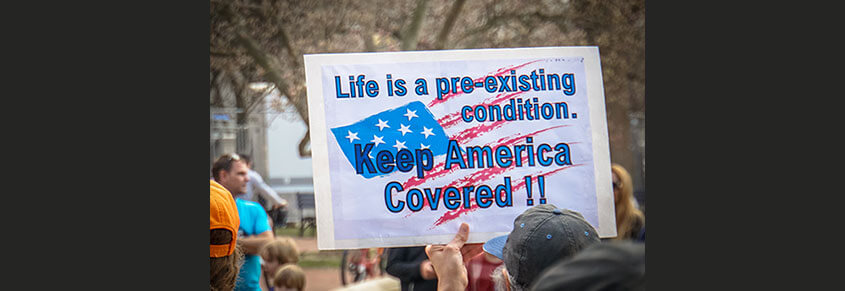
pixel 225 255
pixel 231 172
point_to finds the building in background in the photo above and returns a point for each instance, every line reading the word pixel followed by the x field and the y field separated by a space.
pixel 236 130
pixel 288 173
pixel 269 135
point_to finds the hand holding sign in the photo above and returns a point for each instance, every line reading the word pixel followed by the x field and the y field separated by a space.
pixel 448 260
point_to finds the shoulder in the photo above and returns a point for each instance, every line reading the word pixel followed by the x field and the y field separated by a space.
pixel 248 205
pixel 254 175
pixel 637 225
pixel 256 209
pixel 640 218
pixel 252 205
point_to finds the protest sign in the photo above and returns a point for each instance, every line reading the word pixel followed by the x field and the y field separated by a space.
pixel 407 145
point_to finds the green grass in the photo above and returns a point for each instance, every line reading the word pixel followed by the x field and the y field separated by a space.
pixel 294 231
pixel 319 261
pixel 322 259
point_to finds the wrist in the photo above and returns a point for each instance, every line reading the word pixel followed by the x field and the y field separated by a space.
pixel 454 284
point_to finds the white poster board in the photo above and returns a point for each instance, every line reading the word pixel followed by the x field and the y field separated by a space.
pixel 408 145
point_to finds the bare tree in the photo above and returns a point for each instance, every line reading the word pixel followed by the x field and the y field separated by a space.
pixel 264 41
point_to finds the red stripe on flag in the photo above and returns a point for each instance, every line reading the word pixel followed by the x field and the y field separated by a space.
pixel 453 214
pixel 505 141
pixel 499 72
pixel 453 118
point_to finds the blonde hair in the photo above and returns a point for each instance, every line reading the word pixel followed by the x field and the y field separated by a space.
pixel 281 249
pixel 628 217
pixel 290 276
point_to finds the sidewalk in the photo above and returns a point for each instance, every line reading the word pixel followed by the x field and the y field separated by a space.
pixel 306 244
pixel 326 276
pixel 317 278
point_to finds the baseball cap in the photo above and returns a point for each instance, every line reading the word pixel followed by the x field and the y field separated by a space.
pixel 541 236
pixel 605 266
pixel 224 215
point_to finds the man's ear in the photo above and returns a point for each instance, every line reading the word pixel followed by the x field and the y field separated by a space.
pixel 223 175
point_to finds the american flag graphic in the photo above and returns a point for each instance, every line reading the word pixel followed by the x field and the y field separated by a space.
pixel 410 127
pixel 414 126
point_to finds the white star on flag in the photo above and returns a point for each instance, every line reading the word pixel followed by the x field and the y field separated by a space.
pixel 399 145
pixel 410 114
pixel 422 146
pixel 377 140
pixel 404 129
pixel 427 131
pixel 382 124
pixel 352 136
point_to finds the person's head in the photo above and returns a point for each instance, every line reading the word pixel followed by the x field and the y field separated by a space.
pixel 289 277
pixel 247 159
pixel 623 195
pixel 541 235
pixel 623 189
pixel 278 252
pixel 601 267
pixel 231 171
pixel 224 253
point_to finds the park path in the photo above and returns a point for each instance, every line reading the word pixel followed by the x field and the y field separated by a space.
pixel 317 279
pixel 328 278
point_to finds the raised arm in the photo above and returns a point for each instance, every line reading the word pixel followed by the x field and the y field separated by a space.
pixel 265 190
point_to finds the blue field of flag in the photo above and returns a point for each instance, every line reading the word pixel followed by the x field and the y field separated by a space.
pixel 410 127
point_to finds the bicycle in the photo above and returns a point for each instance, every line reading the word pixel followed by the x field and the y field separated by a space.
pixel 360 264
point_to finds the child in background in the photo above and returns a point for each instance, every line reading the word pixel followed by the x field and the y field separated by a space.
pixel 289 277
pixel 276 253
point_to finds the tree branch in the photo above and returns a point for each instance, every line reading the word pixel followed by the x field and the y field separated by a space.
pixel 239 86
pixel 409 37
pixel 447 27
pixel 272 73
pixel 304 144
pixel 235 3
pixel 283 37
pixel 260 98
pixel 369 45
pixel 218 99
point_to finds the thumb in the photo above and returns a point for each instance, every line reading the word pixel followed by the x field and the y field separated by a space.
pixel 461 237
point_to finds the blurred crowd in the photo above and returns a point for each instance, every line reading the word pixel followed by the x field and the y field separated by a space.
pixel 549 248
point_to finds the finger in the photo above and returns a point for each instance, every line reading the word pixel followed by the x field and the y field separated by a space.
pixel 461 237
pixel 428 251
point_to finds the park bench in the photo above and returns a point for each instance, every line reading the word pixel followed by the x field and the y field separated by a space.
pixel 307 211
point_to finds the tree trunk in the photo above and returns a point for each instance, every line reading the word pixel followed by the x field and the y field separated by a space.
pixel 300 103
pixel 447 27
pixel 409 38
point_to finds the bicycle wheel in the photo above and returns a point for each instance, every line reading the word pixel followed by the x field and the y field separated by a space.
pixel 351 270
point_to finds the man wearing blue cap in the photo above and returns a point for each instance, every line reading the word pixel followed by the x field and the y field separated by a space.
pixel 541 236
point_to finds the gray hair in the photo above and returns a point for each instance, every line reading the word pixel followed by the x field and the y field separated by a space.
pixel 500 283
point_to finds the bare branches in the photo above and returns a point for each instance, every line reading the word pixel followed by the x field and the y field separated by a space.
pixel 305 144
pixel 265 39
pixel 409 37
pixel 447 27
pixel 284 39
